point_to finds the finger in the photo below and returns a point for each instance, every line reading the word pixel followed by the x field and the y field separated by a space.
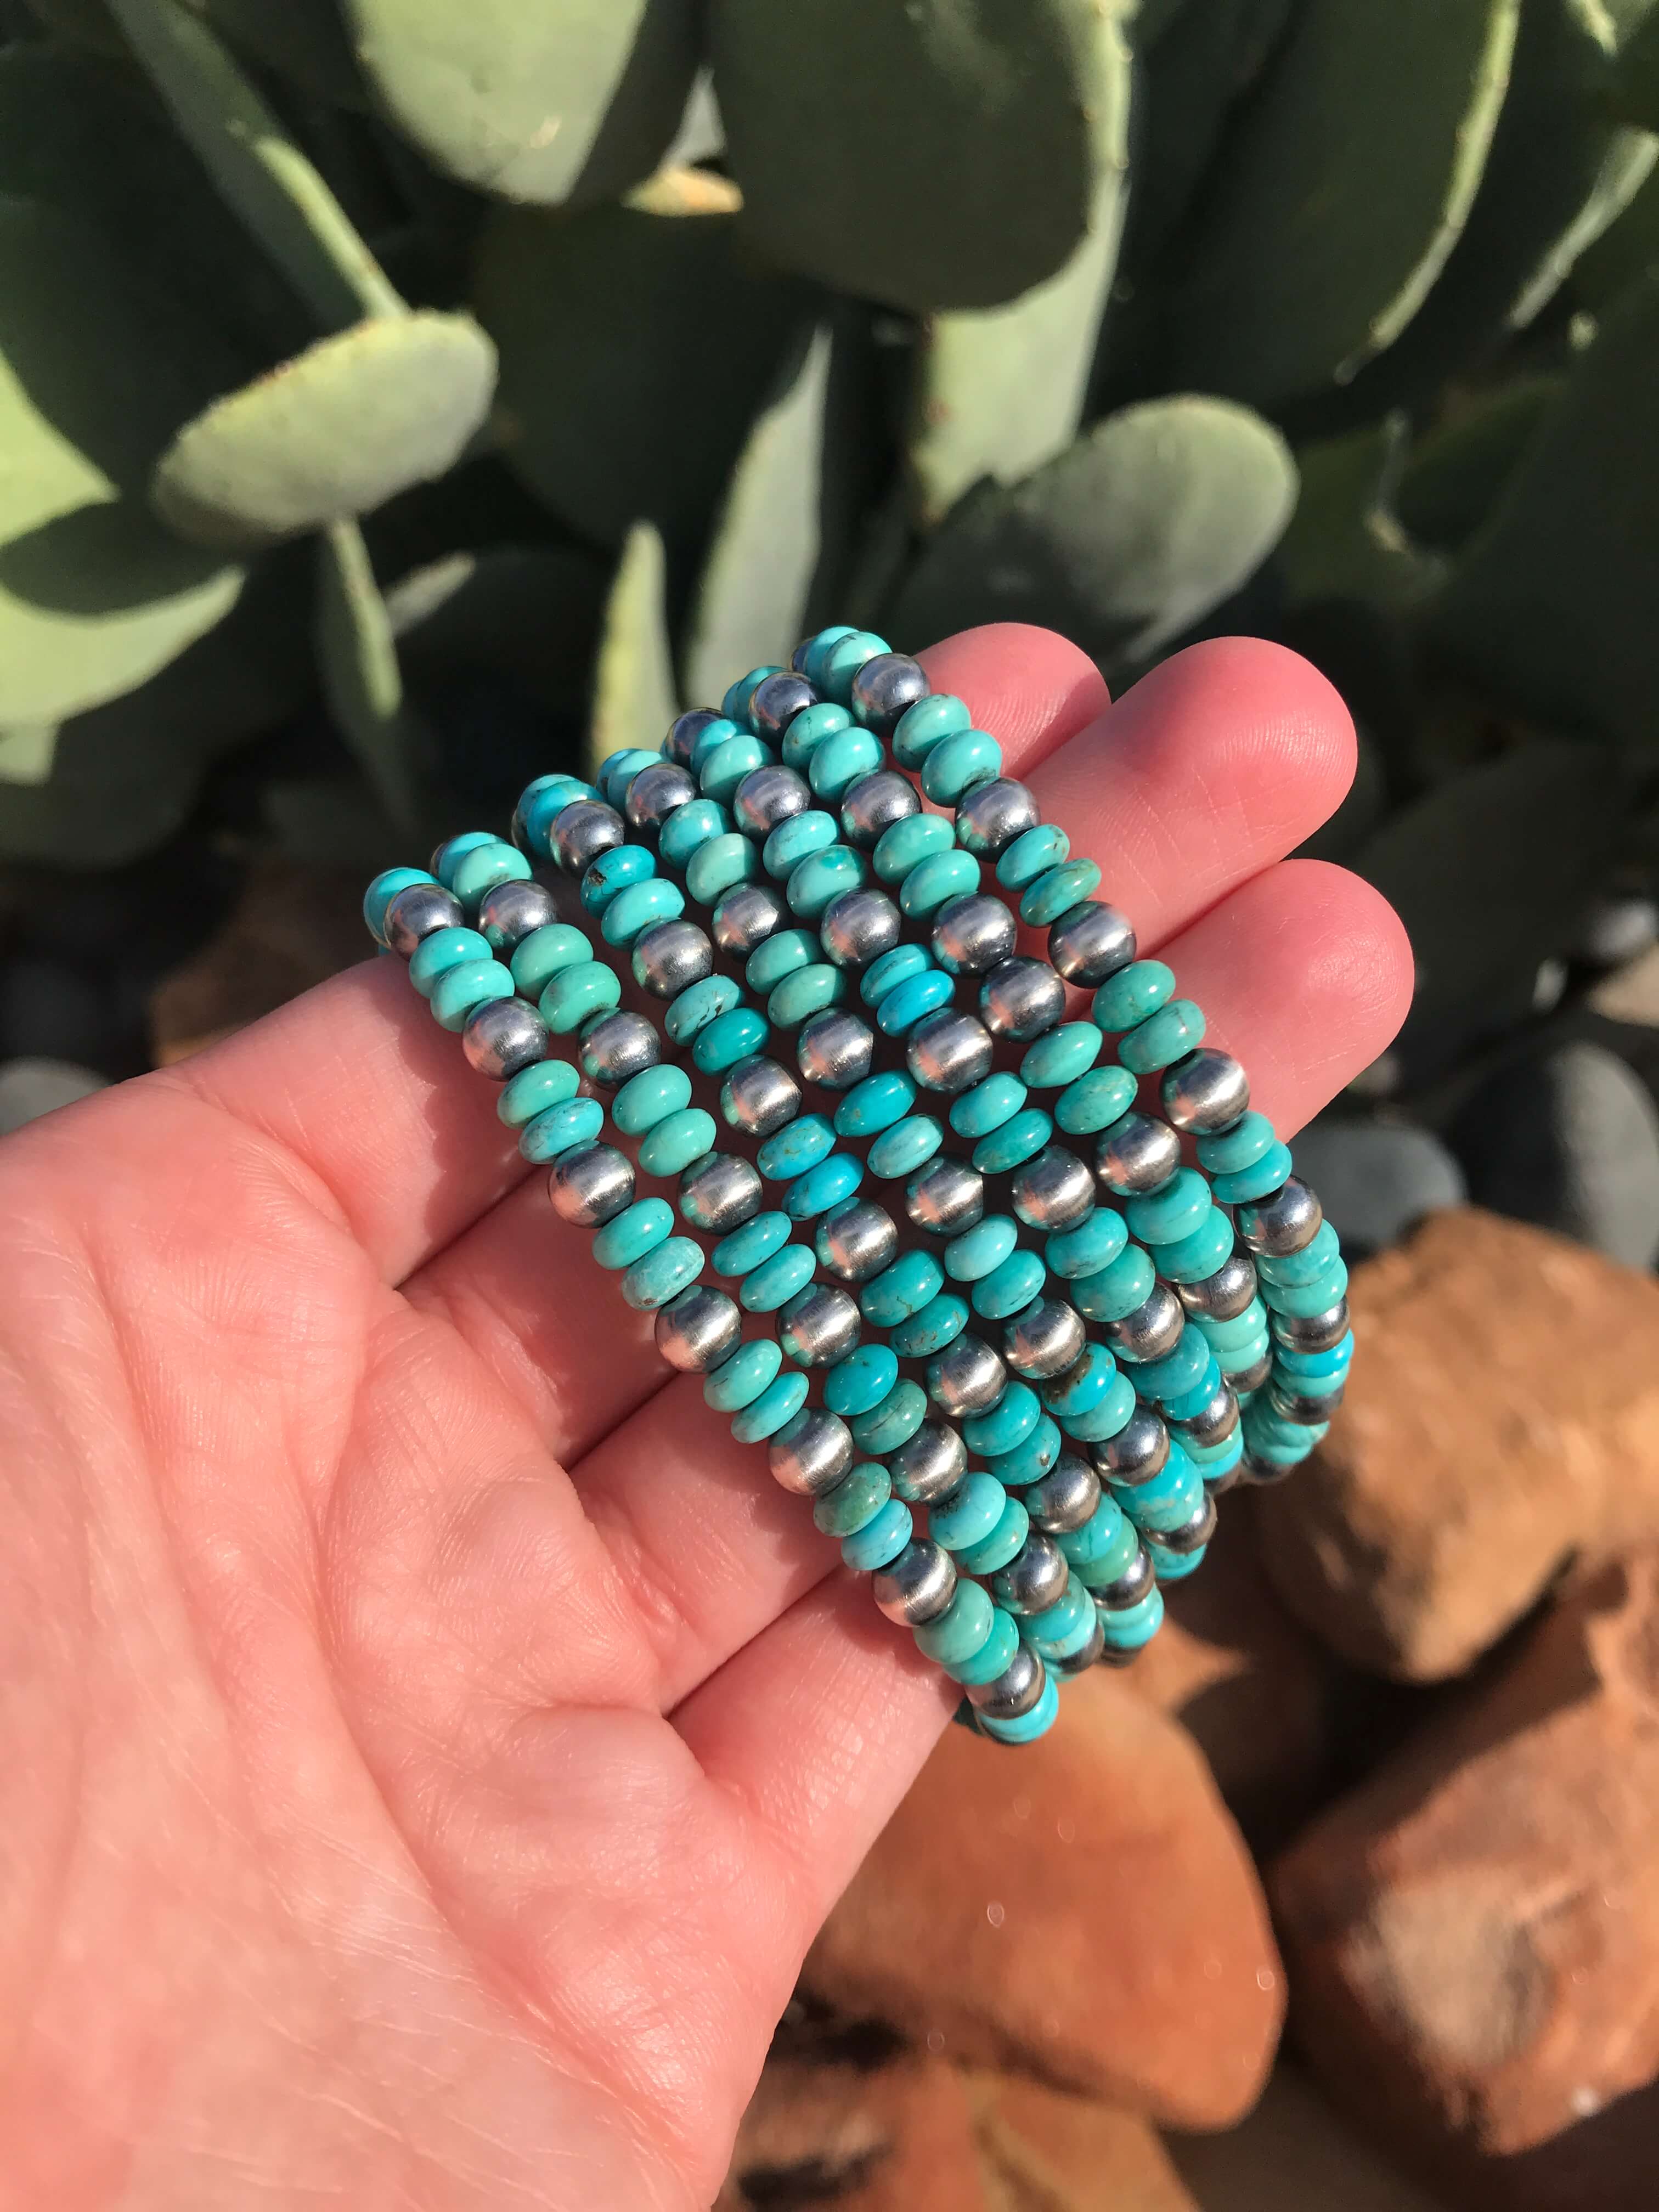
pixel 1031 689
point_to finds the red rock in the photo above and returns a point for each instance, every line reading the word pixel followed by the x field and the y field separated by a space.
pixel 1053 2152
pixel 935 2164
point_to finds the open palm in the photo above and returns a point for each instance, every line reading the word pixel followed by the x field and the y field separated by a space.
pixel 430 1744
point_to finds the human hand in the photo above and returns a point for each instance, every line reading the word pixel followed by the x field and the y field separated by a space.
pixel 430 1744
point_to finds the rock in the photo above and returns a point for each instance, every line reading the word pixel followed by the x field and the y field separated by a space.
pixel 29 1088
pixel 1058 2154
pixel 1568 1140
pixel 1082 1910
pixel 1503 1414
pixel 1375 1180
pixel 1474 1933
pixel 1291 2154
pixel 934 2165
pixel 49 1011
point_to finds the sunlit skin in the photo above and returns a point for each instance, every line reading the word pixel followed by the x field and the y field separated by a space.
pixel 428 1744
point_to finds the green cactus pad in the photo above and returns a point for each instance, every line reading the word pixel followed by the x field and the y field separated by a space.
pixel 27 751
pixel 1346 540
pixel 1455 477
pixel 85 21
pixel 1347 181
pixel 634 700
pixel 336 432
pixel 362 681
pixel 549 103
pixel 944 154
pixel 1145 524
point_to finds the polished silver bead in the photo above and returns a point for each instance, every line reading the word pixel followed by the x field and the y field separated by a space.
pixel 945 1197
pixel 1088 1655
pixel 859 926
pixel 683 734
pixel 669 957
pixel 417 913
pixel 819 1325
pixel 856 1241
pixel 885 688
pixel 1223 1295
pixel 993 814
pixel 1021 999
pixel 745 917
pixel 1152 1329
pixel 1131 1586
pixel 1215 1421
pixel 1053 1191
pixel 929 1465
pixel 1136 1154
pixel 617 1045
pixel 718 1192
pixel 508 912
pixel 1219 1483
pixel 966 1377
pixel 1090 942
pixel 1286 1223
pixel 1306 1409
pixel 503 1035
pixel 1045 1338
pixel 655 793
pixel 871 806
pixel 759 1096
pixel 949 1051
pixel 1263 1473
pixel 1065 1498
pixel 835 1050
pixel 1035 1578
pixel 591 1185
pixel 810 1452
pixel 581 831
pixel 777 700
pixel 1140 1450
pixel 916 1587
pixel 1317 1332
pixel 699 1329
pixel 1245 1380
pixel 1204 1090
pixel 973 934
pixel 768 795
pixel 1015 1690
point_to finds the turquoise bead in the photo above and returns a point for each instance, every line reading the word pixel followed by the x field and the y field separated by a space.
pixel 619 770
pixel 1166 1215
pixel 638 906
pixel 1029 1462
pixel 1104 1548
pixel 776 1280
pixel 935 882
pixel 677 1140
pixel 821 878
pixel 992 1555
pixel 777 1404
pixel 533 1090
pixel 875 1104
pixel 1317 1366
pixel 906 844
pixel 908 1146
pixel 902 1289
pixel 662 1274
pixel 719 866
pixel 1026 1728
pixel 1007 1289
pixel 861 1380
pixel 856 1500
pixel 1285 1443
pixel 1237 1361
pixel 1251 1139
pixel 1062 1056
pixel 388 885
pixel 746 1247
pixel 1095 1101
pixel 1056 892
pixel 830 1184
pixel 1213 1460
pixel 736 1034
pixel 735 705
pixel 800 1144
pixel 1031 854
pixel 939 1323
pixel 959 764
pixel 893 1421
pixel 962 1627
pixel 893 968
pixel 453 850
pixel 1304 1298
pixel 1173 1566
pixel 497 940
pixel 811 656
pixel 458 990
pixel 1084 1251
pixel 434 955
pixel 1007 1424
pixel 576 993
pixel 1017 1141
pixel 541 804
pixel 1187 1405
pixel 1303 1265
pixel 1063 1627
pixel 545 953
pixel 785 952
pixel 881 1540
pixel 1259 1180
pixel 1173 1495
pixel 808 990
pixel 1198 1256
pixel 920 728
pixel 639 1230
pixel 727 765
pixel 649 1097
pixel 839 762
pixel 909 1001
pixel 808 730
pixel 1081 1388
pixel 987 1106
pixel 843 661
pixel 980 1248
pixel 1131 1627
pixel 1165 1035
pixel 694 1008
pixel 1224 1335
pixel 1117 1289
pixel 689 828
pixel 739 1381
pixel 1133 993
pixel 710 738
pixel 968 1515
pixel 797 840
pixel 561 1129
pixel 480 870
pixel 1178 1370
pixel 614 872
pixel 994 1656
pixel 1110 1412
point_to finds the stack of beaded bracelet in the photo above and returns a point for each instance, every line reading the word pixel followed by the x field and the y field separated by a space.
pixel 1198 1329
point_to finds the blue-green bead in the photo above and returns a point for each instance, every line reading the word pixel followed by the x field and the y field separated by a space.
pixel 839 762
pixel 800 1144
pixel 1304 1298
pixel 920 728
pixel 977 1250
pixel 1243 1357
pixel 1017 1141
pixel 1007 1289
pixel 649 1097
pixel 962 1627
pixel 1062 1056
pixel 1117 1288
pixel 545 953
pixel 1084 1251
pixel 1173 1566
pixel 689 828
pixel 1166 1215
pixel 1057 890
pixel 459 989
pixel 1095 1101
pixel 1318 1366
pixel 1178 1371
pixel 808 730
pixel 797 840
pixel 639 1230
pixel 1133 993
pixel 710 738
pixel 693 1009
pixel 875 1104
pixel 662 1274
pixel 1213 1460
pixel 1081 1388
pixel 933 882
pixel 576 993
pixel 785 952
pixel 893 1421
pixel 1025 1727
pixel 908 1146
pixel 388 885
pixel 677 1140
pixel 939 1323
pixel 614 872
pixel 821 878
pixel 727 766
pixel 776 1280
pixel 719 865
pixel 481 870
pixel 1285 1443
pixel 987 1106
pixel 638 907
pixel 831 1183
pixel 1104 1546
pixel 843 662
pixel 1029 1461
pixel 893 968
pixel 993 1553
pixel 736 1034
pixel 856 1500
pixel 1131 1627
pixel 1063 1627
pixel 808 657
pixel 1224 1335
pixel 755 1240
pixel 959 764
pixel 777 1404
pixel 905 845
pixel 970 1513
pixel 533 1090
pixel 453 850
pixel 1249 1139
pixel 619 770
pixel 1187 1405
pixel 1259 1180
pixel 808 990
pixel 1031 854
pixel 540 805
pixel 434 955
pixel 1163 1036
pixel 994 1656
pixel 1302 1266
pixel 560 1129
pixel 739 1381
pixel 907 1003
pixel 880 1541
pixel 1167 1499
pixel 902 1289
pixel 1007 1424
pixel 861 1380
pixel 1108 1413
pixel 1199 1255
pixel 735 705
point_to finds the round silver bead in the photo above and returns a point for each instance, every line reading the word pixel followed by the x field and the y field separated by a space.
pixel 885 688
pixel 1065 1498
pixel 1246 1380
pixel 1204 1090
pixel 872 805
pixel 1136 1154
pixel 856 1241
pixel 655 793
pixel 1090 942
pixel 1318 1332
pixel 745 917
pixel 759 1096
pixel 683 734
pixel 777 700
pixel 1090 1655
pixel 768 795
pixel 418 911
pixel 1140 1450
pixel 1021 999
pixel 1308 1410
pixel 859 926
pixel 503 1035
pixel 699 1329
pixel 1152 1329
pixel 1223 1295
pixel 1046 1338
pixel 966 1377
pixel 973 934
pixel 916 1587
pixel 508 912
pixel 718 1192
pixel 1015 1690
pixel 810 1452
pixel 993 814
pixel 1035 1578
pixel 617 1045
pixel 949 1051
pixel 929 1465
pixel 1055 1191
pixel 591 1185
pixel 670 956
pixel 1215 1421
pixel 945 1197
pixel 835 1050
pixel 819 1325
pixel 1286 1223
pixel 1131 1586
pixel 581 831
